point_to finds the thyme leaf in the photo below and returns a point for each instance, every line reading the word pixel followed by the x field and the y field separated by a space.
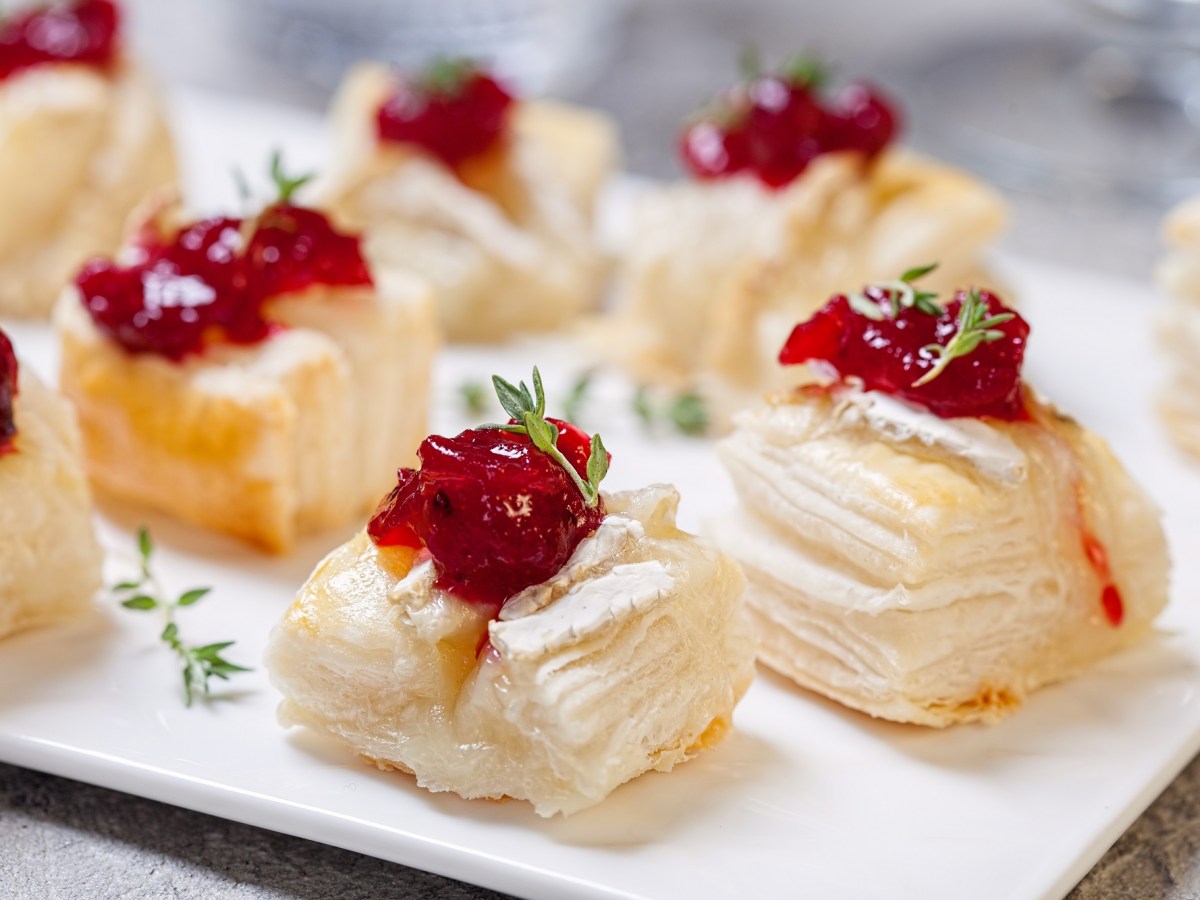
pixel 146 593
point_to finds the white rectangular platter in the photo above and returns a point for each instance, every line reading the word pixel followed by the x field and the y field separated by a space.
pixel 803 799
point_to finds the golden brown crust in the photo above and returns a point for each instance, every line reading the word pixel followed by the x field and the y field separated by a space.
pixel 79 151
pixel 506 241
pixel 268 442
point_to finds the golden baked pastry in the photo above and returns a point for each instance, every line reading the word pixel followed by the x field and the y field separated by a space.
pixel 716 269
pixel 1179 275
pixel 499 224
pixel 932 549
pixel 50 566
pixel 497 636
pixel 265 412
pixel 83 141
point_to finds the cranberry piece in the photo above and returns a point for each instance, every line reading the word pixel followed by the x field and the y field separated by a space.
pixel 84 32
pixel 887 355
pixel 710 152
pixel 776 124
pixel 863 120
pixel 177 294
pixel 209 283
pixel 455 111
pixel 294 248
pixel 8 391
pixel 496 514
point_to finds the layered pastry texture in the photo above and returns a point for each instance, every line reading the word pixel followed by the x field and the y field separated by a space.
pixel 630 658
pixel 715 272
pixel 934 570
pixel 292 429
pixel 1179 274
pixel 80 148
pixel 505 236
pixel 49 559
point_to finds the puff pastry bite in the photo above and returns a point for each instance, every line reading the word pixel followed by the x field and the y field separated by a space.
pixel 794 193
pixel 503 629
pixel 1179 274
pixel 49 558
pixel 254 377
pixel 926 539
pixel 490 198
pixel 82 143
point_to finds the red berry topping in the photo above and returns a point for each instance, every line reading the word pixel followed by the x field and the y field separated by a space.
pixel 178 294
pixel 775 124
pixel 8 391
pixel 454 110
pixel 209 283
pixel 860 120
pixel 294 248
pixel 961 361
pixel 496 513
pixel 83 32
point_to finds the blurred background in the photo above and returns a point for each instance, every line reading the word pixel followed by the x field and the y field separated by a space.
pixel 1083 111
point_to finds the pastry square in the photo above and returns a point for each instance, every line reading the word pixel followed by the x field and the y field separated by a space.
pixel 715 273
pixel 51 561
pixel 1179 275
pixel 269 441
pixel 505 237
pixel 629 659
pixel 934 570
pixel 82 144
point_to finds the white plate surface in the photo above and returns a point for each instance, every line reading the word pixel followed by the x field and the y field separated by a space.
pixel 803 799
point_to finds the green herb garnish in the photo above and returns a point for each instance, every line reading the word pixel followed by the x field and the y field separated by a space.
pixel 474 397
pixel 577 397
pixel 687 411
pixel 529 412
pixel 902 294
pixel 446 75
pixel 285 185
pixel 973 327
pixel 146 593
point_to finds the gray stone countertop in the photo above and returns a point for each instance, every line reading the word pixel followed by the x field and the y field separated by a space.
pixel 63 839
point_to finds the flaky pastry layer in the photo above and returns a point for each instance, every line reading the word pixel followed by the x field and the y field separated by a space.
pixel 928 573
pixel 49 559
pixel 631 659
pixel 507 242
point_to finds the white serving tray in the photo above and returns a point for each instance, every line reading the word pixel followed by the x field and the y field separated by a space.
pixel 803 798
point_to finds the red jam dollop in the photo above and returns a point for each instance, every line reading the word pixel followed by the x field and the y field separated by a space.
pixel 890 355
pixel 83 32
pixel 454 110
pixel 775 124
pixel 496 514
pixel 8 392
pixel 210 284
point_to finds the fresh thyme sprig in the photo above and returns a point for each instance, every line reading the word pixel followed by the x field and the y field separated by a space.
pixel 285 185
pixel 687 411
pixel 474 397
pixel 973 327
pixel 902 294
pixel 146 593
pixel 529 412
pixel 577 396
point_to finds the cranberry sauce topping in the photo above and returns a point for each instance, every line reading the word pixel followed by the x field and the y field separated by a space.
pixel 454 110
pixel 496 513
pixel 8 391
pixel 895 349
pixel 209 283
pixel 774 124
pixel 293 248
pixel 83 32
